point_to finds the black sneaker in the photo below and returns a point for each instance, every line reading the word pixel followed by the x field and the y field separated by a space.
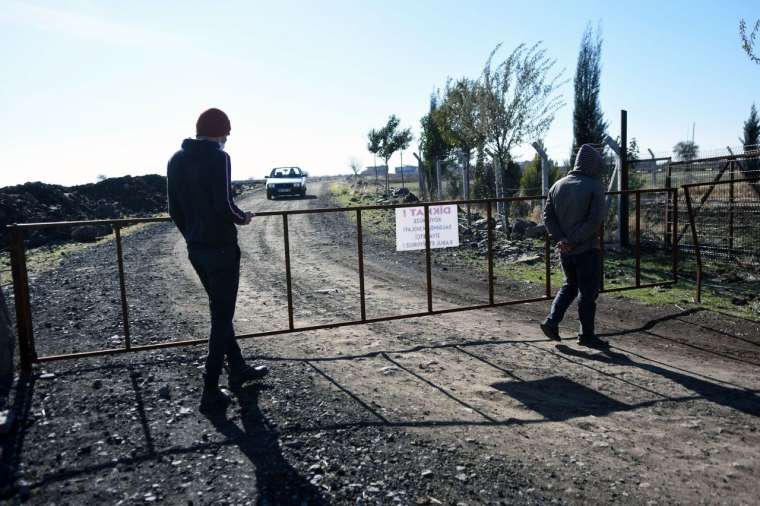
pixel 592 342
pixel 213 399
pixel 550 331
pixel 237 378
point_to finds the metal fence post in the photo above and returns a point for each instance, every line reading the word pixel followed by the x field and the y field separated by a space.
pixel 24 324
pixel 360 252
pixel 428 271
pixel 288 279
pixel 624 201
pixel 122 287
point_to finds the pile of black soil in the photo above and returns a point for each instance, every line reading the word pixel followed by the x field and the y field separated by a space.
pixel 111 198
pixel 118 197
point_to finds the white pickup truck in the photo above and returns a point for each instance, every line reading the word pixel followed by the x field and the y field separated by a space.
pixel 286 181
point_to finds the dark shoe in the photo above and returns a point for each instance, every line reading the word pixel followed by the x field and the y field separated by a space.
pixel 592 342
pixel 550 331
pixel 213 399
pixel 247 373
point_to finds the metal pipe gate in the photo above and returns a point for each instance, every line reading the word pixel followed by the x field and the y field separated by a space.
pixel 24 321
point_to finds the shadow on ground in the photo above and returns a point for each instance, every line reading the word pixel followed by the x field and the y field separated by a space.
pixel 277 482
pixel 743 400
pixel 556 398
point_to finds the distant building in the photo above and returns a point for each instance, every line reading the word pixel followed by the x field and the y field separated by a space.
pixel 407 170
pixel 380 170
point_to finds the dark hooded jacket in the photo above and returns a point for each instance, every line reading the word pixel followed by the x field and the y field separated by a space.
pixel 199 190
pixel 575 205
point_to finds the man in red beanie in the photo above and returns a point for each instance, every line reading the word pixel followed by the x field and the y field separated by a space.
pixel 201 205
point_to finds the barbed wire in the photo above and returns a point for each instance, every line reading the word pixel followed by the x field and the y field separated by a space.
pixel 560 154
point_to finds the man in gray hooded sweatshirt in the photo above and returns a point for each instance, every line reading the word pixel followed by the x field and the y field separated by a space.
pixel 574 211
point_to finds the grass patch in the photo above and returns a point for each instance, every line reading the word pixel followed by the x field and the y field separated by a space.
pixel 376 222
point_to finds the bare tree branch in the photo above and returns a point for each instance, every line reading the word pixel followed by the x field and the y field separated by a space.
pixel 748 40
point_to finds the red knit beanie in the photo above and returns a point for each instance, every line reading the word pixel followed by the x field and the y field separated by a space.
pixel 212 123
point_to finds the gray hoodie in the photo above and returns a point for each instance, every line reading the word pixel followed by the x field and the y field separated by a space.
pixel 575 205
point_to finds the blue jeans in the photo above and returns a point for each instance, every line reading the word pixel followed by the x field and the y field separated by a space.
pixel 219 271
pixel 583 275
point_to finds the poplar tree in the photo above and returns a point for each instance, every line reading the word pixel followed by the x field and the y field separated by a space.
pixel 589 126
pixel 751 143
pixel 433 146
pixel 751 131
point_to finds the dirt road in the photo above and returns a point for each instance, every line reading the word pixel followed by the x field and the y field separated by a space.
pixel 473 407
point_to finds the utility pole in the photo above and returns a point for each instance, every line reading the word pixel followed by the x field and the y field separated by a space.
pixel 623 179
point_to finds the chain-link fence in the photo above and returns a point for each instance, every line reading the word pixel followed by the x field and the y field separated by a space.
pixel 726 187
pixel 724 230
pixel 726 218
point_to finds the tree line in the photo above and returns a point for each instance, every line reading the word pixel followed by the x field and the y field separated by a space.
pixel 477 122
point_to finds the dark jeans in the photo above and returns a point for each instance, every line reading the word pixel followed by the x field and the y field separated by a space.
pixel 219 271
pixel 582 275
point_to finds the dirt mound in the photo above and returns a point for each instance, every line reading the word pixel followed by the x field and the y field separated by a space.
pixel 111 198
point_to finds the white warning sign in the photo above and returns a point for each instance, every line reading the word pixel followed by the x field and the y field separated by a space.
pixel 410 227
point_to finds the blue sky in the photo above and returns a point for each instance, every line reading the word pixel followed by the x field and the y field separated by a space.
pixel 111 88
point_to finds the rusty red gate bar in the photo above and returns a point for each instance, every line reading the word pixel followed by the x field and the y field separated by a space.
pixel 693 213
pixel 24 325
pixel 288 280
pixel 122 287
pixel 428 268
pixel 360 255
pixel 23 307
pixel 672 193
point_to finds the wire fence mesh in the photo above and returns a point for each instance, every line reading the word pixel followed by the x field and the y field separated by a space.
pixel 726 229
pixel 726 217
